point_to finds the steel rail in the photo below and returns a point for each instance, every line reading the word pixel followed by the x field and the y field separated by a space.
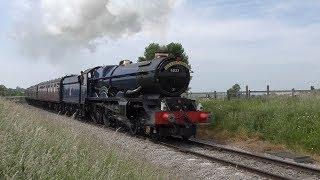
pixel 253 170
pixel 280 162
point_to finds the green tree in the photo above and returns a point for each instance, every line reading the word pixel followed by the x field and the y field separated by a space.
pixel 150 51
pixel 11 92
pixel 234 90
pixel 175 49
pixel 2 90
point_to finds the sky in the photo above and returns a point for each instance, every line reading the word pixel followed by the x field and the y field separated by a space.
pixel 249 42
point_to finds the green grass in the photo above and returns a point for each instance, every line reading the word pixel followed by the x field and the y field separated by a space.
pixel 31 148
pixel 293 122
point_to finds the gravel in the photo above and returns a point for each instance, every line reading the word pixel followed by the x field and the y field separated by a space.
pixel 263 165
pixel 175 163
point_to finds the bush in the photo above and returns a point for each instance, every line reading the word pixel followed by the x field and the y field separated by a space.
pixel 11 92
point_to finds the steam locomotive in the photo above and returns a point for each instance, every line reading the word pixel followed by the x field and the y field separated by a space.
pixel 144 97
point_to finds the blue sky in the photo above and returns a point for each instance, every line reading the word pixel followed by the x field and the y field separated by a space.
pixel 255 43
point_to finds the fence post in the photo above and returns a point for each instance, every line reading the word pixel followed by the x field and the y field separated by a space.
pixel 228 94
pixel 312 90
pixel 268 90
pixel 293 92
pixel 247 92
pixel 215 94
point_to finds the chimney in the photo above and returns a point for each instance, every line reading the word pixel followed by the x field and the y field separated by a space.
pixel 161 54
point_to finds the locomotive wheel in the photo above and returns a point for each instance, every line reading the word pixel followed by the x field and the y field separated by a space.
pixel 134 128
pixel 106 120
pixel 97 115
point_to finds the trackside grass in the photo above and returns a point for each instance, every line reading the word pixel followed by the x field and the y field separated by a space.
pixel 293 122
pixel 31 148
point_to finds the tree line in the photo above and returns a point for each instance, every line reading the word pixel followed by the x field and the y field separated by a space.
pixel 4 91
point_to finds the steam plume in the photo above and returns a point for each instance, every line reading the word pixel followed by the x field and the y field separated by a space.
pixel 52 27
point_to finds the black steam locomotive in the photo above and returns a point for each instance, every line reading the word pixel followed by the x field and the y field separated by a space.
pixel 144 97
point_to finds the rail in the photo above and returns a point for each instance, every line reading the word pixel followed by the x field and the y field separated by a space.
pixel 257 156
pixel 267 167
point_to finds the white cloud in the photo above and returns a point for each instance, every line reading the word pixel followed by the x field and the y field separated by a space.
pixel 247 50
pixel 249 37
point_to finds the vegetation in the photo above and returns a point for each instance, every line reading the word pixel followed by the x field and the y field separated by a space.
pixel 172 48
pixel 234 90
pixel 32 148
pixel 11 92
pixel 293 122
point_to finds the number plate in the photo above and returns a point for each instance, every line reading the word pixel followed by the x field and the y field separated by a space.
pixel 175 70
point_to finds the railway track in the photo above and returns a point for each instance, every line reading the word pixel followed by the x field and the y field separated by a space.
pixel 267 167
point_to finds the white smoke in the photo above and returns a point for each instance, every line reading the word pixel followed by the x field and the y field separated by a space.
pixel 55 27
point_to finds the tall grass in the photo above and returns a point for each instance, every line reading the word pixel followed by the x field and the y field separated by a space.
pixel 294 122
pixel 31 148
